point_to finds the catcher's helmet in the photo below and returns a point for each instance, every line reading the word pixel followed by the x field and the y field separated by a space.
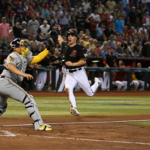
pixel 72 32
pixel 15 43
pixel 18 42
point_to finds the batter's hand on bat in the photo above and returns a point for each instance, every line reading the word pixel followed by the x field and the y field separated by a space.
pixel 69 63
pixel 28 76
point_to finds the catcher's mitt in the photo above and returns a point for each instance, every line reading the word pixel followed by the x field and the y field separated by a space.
pixel 52 37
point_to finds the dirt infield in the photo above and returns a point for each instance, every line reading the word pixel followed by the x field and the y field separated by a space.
pixel 76 133
pixel 82 94
pixel 103 132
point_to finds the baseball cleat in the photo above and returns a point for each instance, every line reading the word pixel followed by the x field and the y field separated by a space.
pixel 98 80
pixel 45 128
pixel 74 111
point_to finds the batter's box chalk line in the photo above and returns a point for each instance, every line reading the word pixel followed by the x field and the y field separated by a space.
pixel 82 139
pixel 70 123
pixel 6 133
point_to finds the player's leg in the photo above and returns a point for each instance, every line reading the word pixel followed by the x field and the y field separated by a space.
pixel 124 85
pixel 106 79
pixel 118 84
pixel 57 77
pixel 8 87
pixel 62 85
pixel 69 86
pixel 135 84
pixel 41 80
pixel 82 80
pixel 142 85
pixel 3 104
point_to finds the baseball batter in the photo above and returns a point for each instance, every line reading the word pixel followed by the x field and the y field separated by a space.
pixel 75 60
pixel 14 72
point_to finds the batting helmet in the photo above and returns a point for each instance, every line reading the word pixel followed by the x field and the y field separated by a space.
pixel 72 32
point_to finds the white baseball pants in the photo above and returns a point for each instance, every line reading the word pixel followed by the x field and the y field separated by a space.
pixel 137 83
pixel 106 82
pixel 41 80
pixel 120 85
pixel 79 77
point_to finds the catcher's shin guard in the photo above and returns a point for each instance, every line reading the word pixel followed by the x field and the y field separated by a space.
pixel 33 111
pixel 2 110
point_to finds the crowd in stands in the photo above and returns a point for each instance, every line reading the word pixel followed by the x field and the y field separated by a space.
pixel 101 24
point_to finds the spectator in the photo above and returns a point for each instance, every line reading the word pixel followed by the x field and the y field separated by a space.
pixel 86 40
pixel 86 6
pixel 30 12
pixel 93 25
pixel 114 14
pixel 111 41
pixel 80 22
pixel 24 25
pixel 146 46
pixel 45 13
pixel 100 8
pixel 54 22
pixel 96 50
pixel 127 11
pixel 135 47
pixel 19 9
pixel 122 13
pixel 43 30
pixel 119 24
pixel 9 12
pixel 88 50
pixel 119 50
pixel 109 31
pixel 16 29
pixel 95 15
pixel 143 28
pixel 124 44
pixel 4 31
pixel 63 21
pixel 132 18
pixel 91 43
pixel 111 5
pixel 25 6
pixel 105 44
pixel 87 32
pixel 10 36
pixel 105 50
pixel 32 28
pixel 124 3
pixel 146 19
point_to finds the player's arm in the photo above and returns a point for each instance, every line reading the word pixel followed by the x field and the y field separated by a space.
pixel 60 39
pixel 39 57
pixel 104 62
pixel 81 62
pixel 12 68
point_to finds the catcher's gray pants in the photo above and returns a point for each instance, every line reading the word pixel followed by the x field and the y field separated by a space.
pixel 8 88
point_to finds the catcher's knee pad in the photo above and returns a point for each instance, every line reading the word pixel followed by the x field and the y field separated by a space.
pixel 3 110
pixel 33 110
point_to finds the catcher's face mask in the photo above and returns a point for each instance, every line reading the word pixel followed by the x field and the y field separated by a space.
pixel 23 47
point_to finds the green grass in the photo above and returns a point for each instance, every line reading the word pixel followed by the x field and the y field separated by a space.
pixel 87 106
pixel 145 124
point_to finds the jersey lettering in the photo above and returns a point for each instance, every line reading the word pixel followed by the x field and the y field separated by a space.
pixel 73 54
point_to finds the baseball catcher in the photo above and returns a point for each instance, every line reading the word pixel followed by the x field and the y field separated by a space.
pixel 14 72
